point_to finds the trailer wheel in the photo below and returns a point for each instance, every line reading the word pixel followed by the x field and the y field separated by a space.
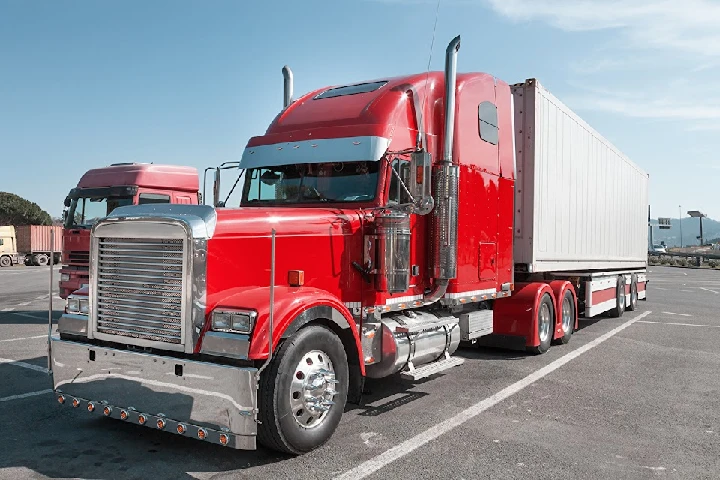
pixel 303 391
pixel 545 320
pixel 619 307
pixel 5 261
pixel 568 317
pixel 633 293
pixel 41 259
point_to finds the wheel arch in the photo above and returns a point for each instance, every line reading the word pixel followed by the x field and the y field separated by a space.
pixel 559 288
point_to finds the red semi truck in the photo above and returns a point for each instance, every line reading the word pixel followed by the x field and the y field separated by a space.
pixel 381 224
pixel 100 191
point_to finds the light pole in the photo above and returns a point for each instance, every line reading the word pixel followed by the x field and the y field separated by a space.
pixel 700 215
pixel 680 218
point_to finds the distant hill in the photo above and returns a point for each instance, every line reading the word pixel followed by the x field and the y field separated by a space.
pixel 690 230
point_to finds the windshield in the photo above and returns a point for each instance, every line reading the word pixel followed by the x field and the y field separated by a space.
pixel 84 212
pixel 311 183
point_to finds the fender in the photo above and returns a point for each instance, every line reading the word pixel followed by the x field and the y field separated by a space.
pixel 517 314
pixel 294 307
pixel 559 287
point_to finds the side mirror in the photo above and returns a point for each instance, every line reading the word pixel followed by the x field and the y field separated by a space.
pixel 420 185
pixel 216 188
pixel 67 201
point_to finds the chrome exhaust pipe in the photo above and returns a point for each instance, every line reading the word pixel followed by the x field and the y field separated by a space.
pixel 287 86
pixel 450 81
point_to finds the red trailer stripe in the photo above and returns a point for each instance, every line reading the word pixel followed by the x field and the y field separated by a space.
pixel 603 296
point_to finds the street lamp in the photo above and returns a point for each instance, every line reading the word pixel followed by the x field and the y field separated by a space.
pixel 700 215
pixel 680 219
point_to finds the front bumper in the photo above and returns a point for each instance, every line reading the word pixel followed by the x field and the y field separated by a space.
pixel 217 399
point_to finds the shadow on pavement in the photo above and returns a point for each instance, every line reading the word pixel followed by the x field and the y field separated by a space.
pixel 28 317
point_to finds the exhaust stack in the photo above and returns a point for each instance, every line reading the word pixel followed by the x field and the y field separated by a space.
pixel 287 86
pixel 446 183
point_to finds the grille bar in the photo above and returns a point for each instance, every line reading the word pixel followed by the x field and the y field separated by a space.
pixel 139 288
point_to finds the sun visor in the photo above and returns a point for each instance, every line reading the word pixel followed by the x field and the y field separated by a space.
pixel 345 149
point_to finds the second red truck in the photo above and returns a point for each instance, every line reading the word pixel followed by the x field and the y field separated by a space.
pixel 381 224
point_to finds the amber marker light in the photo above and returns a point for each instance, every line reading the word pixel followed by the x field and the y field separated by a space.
pixel 61 399
pixel 123 415
pixel 296 278
pixel 107 411
pixel 181 428
pixel 224 439
pixel 160 424
pixel 91 407
pixel 142 419
pixel 75 403
pixel 202 434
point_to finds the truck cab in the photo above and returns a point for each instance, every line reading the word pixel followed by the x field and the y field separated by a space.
pixel 102 190
pixel 8 245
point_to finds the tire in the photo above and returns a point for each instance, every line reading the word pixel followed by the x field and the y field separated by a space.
pixel 619 307
pixel 5 261
pixel 545 321
pixel 41 259
pixel 633 294
pixel 567 307
pixel 28 260
pixel 286 382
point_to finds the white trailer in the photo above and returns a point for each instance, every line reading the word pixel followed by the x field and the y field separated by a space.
pixel 580 204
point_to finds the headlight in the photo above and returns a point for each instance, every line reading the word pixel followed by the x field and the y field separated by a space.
pixel 235 321
pixel 72 305
pixel 64 277
pixel 84 306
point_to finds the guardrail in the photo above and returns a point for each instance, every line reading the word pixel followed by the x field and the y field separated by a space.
pixel 698 258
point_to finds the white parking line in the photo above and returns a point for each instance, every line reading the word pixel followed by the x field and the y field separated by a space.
pixel 23 338
pixel 408 446
pixel 31 315
pixel 681 314
pixel 679 324
pixel 709 290
pixel 25 395
pixel 29 366
pixel 7 309
pixel 23 304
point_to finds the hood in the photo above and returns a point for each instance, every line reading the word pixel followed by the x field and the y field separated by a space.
pixel 259 221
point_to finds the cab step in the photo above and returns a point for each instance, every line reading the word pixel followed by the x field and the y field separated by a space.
pixel 425 371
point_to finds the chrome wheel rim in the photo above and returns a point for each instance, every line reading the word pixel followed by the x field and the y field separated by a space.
pixel 621 296
pixel 544 320
pixel 566 315
pixel 633 295
pixel 312 389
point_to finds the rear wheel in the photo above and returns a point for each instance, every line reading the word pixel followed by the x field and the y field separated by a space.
pixel 41 259
pixel 633 294
pixel 545 324
pixel 619 307
pixel 568 316
pixel 303 391
pixel 5 261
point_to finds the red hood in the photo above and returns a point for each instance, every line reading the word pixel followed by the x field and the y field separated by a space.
pixel 259 221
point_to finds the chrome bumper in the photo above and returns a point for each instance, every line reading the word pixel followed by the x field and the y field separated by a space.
pixel 184 397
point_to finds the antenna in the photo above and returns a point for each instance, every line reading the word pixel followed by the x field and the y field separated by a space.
pixel 427 73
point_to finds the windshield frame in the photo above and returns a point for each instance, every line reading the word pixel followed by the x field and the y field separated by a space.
pixel 251 179
pixel 81 199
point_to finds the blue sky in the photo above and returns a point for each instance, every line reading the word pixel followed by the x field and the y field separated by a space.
pixel 87 83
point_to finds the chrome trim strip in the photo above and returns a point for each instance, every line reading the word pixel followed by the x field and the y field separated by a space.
pixel 73 324
pixel 231 345
pixel 343 149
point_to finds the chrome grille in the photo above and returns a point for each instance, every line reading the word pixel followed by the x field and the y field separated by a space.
pixel 139 288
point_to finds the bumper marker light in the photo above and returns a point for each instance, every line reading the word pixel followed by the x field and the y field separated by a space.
pixel 160 424
pixel 202 434
pixel 61 399
pixel 107 411
pixel 142 419
pixel 181 428
pixel 123 415
pixel 224 439
pixel 91 407
pixel 75 403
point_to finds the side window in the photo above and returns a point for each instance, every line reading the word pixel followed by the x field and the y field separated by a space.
pixel 488 122
pixel 146 198
pixel 397 194
pixel 2 242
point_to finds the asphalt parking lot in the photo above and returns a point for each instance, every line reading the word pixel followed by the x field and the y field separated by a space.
pixel 629 398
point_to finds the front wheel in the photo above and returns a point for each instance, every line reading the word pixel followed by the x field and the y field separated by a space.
pixel 5 261
pixel 303 391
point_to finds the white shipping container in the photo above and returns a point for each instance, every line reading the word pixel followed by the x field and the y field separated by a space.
pixel 580 204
